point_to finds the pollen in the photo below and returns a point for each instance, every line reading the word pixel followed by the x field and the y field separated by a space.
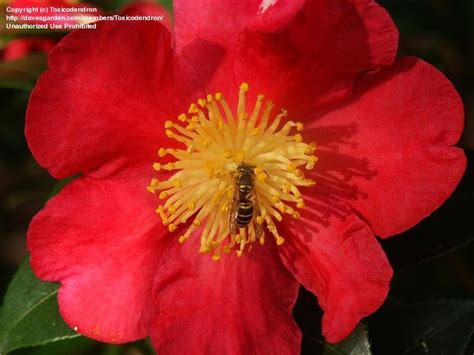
pixel 237 174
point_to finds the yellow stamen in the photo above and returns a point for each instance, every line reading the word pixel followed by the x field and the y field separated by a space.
pixel 217 143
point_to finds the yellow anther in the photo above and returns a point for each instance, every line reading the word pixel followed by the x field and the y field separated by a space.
pixel 159 209
pixel 209 98
pixel 202 102
pixel 297 193
pixel 193 108
pixel 244 87
pixel 191 126
pixel 153 185
pixel 310 182
pixel 227 250
pixel 299 126
pixel 219 96
pixel 228 153
pixel 238 238
pixel 283 208
pixel 172 227
pixel 176 183
pixel 195 119
pixel 285 188
pixel 243 116
pixel 300 204
pixel 204 249
pixel 168 166
pixel 291 168
pixel 171 209
pixel 196 222
pixel 255 131
pixel 260 220
pixel 168 124
pixel 157 166
pixel 191 205
pixel 262 240
pixel 150 189
pixel 298 138
pixel 182 117
pixel 162 152
pixel 260 97
pixel 206 142
pixel 239 157
pixel 163 195
pixel 216 257
pixel 262 176
pixel 220 124
pixel 275 198
pixel 296 215
pixel 169 133
pixel 182 239
pixel 280 240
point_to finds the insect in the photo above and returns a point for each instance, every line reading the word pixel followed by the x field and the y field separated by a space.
pixel 245 206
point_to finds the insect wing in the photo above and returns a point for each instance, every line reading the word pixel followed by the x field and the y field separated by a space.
pixel 256 213
pixel 233 227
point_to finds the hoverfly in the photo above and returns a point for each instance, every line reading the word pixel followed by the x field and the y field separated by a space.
pixel 245 207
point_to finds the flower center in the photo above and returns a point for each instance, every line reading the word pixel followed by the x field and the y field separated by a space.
pixel 237 174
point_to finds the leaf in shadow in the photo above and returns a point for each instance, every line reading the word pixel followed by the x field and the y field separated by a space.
pixel 22 73
pixel 435 327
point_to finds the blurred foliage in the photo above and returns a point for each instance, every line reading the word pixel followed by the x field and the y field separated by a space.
pixel 29 315
pixel 22 73
pixel 429 310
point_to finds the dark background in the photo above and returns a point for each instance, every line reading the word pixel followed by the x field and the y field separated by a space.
pixel 430 307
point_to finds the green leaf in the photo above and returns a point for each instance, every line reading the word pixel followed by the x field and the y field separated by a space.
pixel 30 315
pixel 355 344
pixel 22 73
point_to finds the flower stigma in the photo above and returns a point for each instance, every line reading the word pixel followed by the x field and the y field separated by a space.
pixel 237 174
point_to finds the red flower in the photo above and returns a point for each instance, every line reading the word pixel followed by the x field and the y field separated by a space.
pixel 384 133
pixel 22 47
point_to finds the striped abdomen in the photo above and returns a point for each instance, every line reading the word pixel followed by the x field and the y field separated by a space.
pixel 244 213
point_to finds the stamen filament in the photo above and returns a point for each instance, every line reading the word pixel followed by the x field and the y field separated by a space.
pixel 220 147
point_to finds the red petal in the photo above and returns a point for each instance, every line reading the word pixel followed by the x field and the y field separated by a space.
pixel 389 152
pixel 313 62
pixel 208 35
pixel 336 256
pixel 223 21
pixel 103 102
pixel 232 306
pixel 102 241
pixel 148 8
